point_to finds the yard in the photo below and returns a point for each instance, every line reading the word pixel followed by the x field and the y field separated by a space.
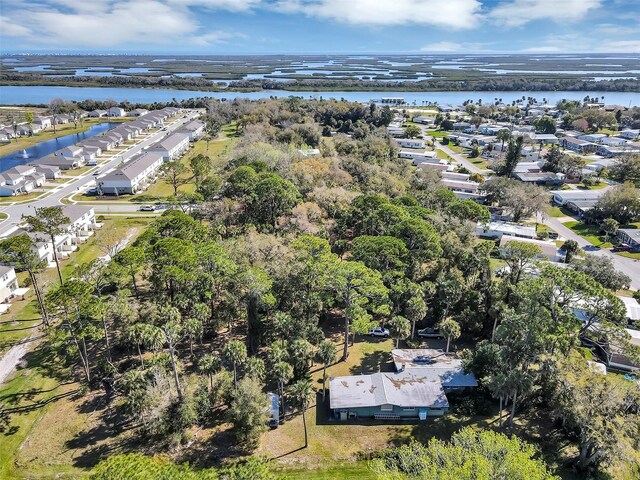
pixel 590 233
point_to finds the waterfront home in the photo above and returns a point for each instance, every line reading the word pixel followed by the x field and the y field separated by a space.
pixel 42 122
pixel 97 114
pixel 49 171
pixel 104 143
pixel 116 112
pixel 72 151
pixel 136 175
pixel 410 394
pixel 8 284
pixel 20 179
pixel 578 145
pixel 63 163
pixel 497 230
pixel 62 119
pixel 172 147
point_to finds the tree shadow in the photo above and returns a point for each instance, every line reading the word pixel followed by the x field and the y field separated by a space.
pixel 373 362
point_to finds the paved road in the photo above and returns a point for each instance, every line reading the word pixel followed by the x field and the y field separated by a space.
pixel 628 266
pixel 15 212
pixel 461 159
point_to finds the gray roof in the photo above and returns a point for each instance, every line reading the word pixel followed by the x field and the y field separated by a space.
pixel 171 141
pixel 134 167
pixel 447 368
pixel 74 212
pixel 409 389
pixel 5 269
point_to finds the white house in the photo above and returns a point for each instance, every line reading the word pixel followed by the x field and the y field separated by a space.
pixel 395 131
pixel 136 175
pixel 593 137
pixel 172 147
pixel 42 122
pixel 423 119
pixel 417 156
pixel 578 201
pixel 82 222
pixel 137 112
pixel 97 114
pixel 195 130
pixel 116 112
pixel 549 250
pixel 500 229
pixel 630 134
pixel 410 142
pixel 613 141
pixel 20 179
pixel 8 283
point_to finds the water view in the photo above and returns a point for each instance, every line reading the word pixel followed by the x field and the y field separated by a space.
pixel 40 95
pixel 43 149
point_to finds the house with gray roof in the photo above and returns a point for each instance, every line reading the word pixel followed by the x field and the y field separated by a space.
pixel 172 146
pixel 135 176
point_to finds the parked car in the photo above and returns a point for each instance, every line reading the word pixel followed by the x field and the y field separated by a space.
pixel 147 208
pixel 621 248
pixel 379 332
pixel 430 333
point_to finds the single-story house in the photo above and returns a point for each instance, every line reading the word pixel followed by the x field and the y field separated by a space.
pixel 447 367
pixel 578 201
pixel 630 236
pixel 614 151
pixel 613 141
pixel 592 137
pixel 423 119
pixel 97 114
pixel 630 134
pixel 578 145
pixel 442 166
pixel 410 394
pixel 499 229
pixel 633 308
pixel 410 143
pixel 307 152
pixel 540 178
pixel 545 138
pixel 395 131
pixel 417 155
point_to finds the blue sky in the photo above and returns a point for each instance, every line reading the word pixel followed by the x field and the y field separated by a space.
pixel 319 26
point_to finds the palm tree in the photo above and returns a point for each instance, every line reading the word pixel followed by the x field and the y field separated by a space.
pixel 400 328
pixel 284 373
pixel 450 329
pixel 235 352
pixel 209 365
pixel 327 354
pixel 301 393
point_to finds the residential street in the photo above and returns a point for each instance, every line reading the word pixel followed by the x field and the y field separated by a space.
pixel 460 159
pixel 628 266
pixel 54 197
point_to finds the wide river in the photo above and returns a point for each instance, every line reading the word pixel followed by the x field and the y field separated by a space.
pixel 38 95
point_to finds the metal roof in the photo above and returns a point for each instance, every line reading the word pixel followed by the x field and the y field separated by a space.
pixel 446 367
pixel 409 389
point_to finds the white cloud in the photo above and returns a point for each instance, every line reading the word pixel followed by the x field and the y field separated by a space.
pixel 440 47
pixel 519 12
pixel 113 23
pixel 458 14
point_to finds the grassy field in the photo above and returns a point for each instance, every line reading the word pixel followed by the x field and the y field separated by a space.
pixel 443 155
pixel 438 133
pixel 558 212
pixel 590 233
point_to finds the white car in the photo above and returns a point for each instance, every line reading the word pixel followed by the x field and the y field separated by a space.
pixel 147 208
pixel 379 332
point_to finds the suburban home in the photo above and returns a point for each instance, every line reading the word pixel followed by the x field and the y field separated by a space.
pixel 410 394
pixel 137 112
pixel 136 175
pixel 633 308
pixel 62 119
pixel 74 151
pixel 442 166
pixel 592 137
pixel 541 178
pixel 630 134
pixel 116 112
pixel 417 156
pixel 577 201
pixel 104 144
pixel 461 126
pixel 464 189
pixel 614 356
pixel 545 138
pixel 550 250
pixel 42 122
pixel 97 114
pixel 578 145
pixel 424 120
pixel 82 222
pixel 8 283
pixel 410 143
pixel 613 141
pixel 435 363
pixel 395 131
pixel 630 236
pixel 172 147
pixel 528 167
pixel 62 163
pixel 614 151
pixel 20 179
pixel 194 129
pixel 91 150
pixel 496 230
pixel 50 172
pixel 597 166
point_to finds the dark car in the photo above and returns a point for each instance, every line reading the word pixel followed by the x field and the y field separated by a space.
pixel 430 333
pixel 621 248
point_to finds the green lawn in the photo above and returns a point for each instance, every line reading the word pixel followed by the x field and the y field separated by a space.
pixel 597 186
pixel 3 216
pixel 443 155
pixel 558 212
pixel 20 198
pixel 590 233
pixel 438 133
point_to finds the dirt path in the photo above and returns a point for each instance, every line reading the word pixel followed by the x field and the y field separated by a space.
pixel 10 359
